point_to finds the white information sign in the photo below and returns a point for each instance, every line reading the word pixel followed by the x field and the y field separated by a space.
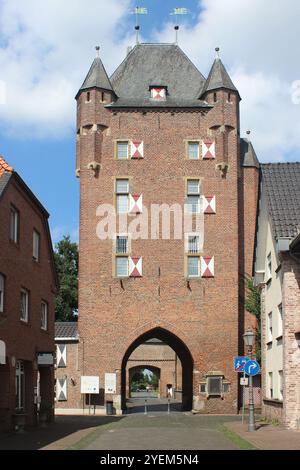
pixel 244 381
pixel 110 383
pixel 90 385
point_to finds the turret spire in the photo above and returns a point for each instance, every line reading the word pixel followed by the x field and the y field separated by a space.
pixel 97 76
pixel 218 77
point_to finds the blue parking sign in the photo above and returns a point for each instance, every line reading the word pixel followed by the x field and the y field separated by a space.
pixel 239 363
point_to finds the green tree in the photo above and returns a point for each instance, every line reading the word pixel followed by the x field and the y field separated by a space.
pixel 66 262
pixel 253 306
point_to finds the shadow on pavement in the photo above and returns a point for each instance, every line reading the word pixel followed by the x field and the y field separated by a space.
pixel 37 438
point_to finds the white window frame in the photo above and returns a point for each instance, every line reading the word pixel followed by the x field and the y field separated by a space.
pixel 187 242
pixel 280 320
pixel 271 385
pixel 122 194
pixel 2 292
pixel 280 384
pixel 26 292
pixel 116 267
pixel 44 315
pixel 194 143
pixel 14 224
pixel 36 245
pixel 194 276
pixel 194 194
pixel 270 327
pixel 118 236
pixel 122 142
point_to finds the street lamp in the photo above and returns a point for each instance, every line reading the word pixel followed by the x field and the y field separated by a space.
pixel 249 340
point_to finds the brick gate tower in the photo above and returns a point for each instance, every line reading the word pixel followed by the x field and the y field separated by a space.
pixel 157 132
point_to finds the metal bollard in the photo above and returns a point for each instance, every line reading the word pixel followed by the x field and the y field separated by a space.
pixel 168 406
pixel 146 412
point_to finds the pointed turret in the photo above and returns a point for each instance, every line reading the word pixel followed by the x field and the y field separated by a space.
pixel 97 77
pixel 218 78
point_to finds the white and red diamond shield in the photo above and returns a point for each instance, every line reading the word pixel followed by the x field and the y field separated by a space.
pixel 208 150
pixel 158 93
pixel 135 266
pixel 137 149
pixel 207 267
pixel 209 204
pixel 135 203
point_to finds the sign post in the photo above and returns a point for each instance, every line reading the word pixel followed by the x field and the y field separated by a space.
pixel 89 386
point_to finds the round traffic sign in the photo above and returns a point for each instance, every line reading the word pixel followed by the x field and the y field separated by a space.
pixel 252 368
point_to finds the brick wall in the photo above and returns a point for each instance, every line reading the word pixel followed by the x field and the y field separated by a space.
pixel 206 316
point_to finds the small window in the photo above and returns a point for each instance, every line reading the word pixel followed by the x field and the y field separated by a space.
pixel 270 327
pixel 44 316
pixel 158 93
pixel 229 97
pixel 280 320
pixel 269 266
pixel 24 305
pixel 122 244
pixel 193 196
pixel 203 388
pixel 270 384
pixel 122 266
pixel 2 286
pixel 102 96
pixel 214 386
pixel 122 194
pixel 88 97
pixel 193 150
pixel 193 244
pixel 36 246
pixel 14 224
pixel 226 387
pixel 122 150
pixel 215 97
pixel 280 383
pixel 193 266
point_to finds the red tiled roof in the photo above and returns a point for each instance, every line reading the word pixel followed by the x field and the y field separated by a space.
pixel 4 167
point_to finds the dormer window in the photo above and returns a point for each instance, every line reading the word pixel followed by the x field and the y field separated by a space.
pixel 158 93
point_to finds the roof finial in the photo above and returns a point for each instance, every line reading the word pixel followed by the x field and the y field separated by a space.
pixel 138 11
pixel 217 49
pixel 97 51
pixel 176 33
pixel 176 12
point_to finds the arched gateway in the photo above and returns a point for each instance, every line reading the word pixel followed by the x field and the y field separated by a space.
pixel 181 351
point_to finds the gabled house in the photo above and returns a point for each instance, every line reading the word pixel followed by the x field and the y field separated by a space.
pixel 27 288
pixel 277 272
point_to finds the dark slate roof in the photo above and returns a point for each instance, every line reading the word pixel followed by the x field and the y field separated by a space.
pixel 154 65
pixel 248 155
pixel 4 179
pixel 66 330
pixel 218 78
pixel 282 185
pixel 97 77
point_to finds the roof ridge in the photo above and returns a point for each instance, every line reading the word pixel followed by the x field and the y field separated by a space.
pixel 4 167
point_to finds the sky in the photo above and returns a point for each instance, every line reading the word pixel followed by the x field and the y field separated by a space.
pixel 46 49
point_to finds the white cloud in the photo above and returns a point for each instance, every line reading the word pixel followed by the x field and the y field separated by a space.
pixel 46 49
pixel 260 48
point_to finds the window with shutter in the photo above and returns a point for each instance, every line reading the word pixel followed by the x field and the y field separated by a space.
pixel 137 150
pixel 193 196
pixel 193 266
